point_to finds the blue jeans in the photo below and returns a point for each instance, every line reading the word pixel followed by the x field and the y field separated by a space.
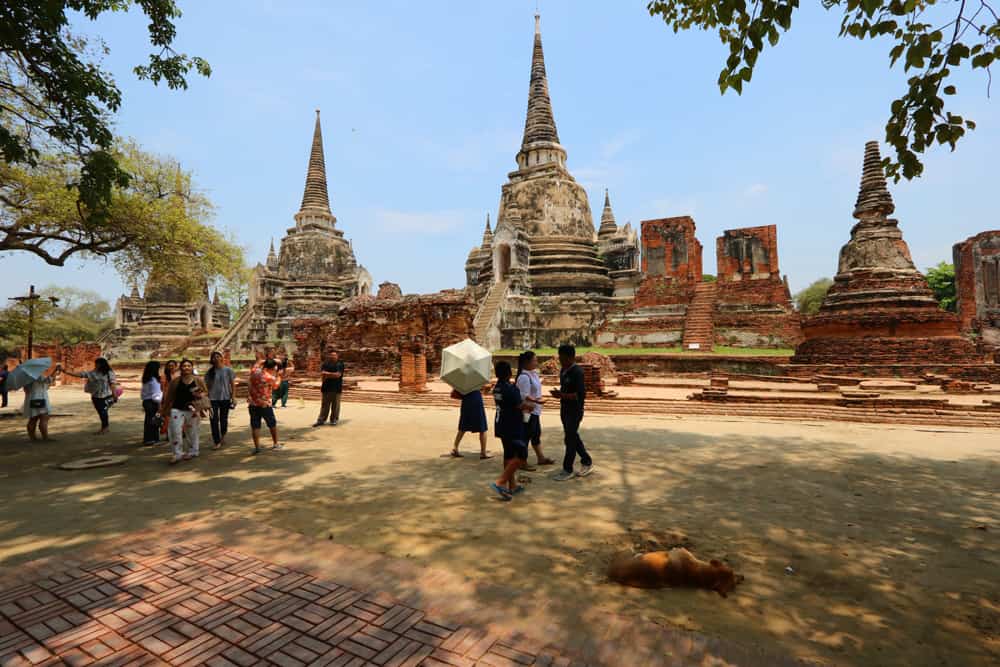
pixel 101 405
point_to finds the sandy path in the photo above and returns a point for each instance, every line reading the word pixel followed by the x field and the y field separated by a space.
pixel 880 525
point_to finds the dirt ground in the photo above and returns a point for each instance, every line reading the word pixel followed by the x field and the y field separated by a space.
pixel 866 545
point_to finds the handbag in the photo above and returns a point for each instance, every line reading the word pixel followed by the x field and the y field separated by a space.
pixel 36 403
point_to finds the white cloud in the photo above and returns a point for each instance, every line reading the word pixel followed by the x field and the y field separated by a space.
pixel 755 190
pixel 427 222
pixel 618 143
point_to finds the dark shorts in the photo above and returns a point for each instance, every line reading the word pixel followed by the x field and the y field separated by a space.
pixel 258 413
pixel 514 449
pixel 533 430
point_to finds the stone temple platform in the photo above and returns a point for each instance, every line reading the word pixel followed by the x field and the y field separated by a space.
pixel 234 593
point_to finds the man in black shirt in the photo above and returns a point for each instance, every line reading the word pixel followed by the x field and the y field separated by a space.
pixel 572 393
pixel 332 372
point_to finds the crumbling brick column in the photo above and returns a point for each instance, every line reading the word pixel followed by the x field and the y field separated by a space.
pixel 413 365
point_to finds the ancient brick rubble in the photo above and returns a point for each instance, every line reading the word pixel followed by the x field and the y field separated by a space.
pixel 369 333
pixel 748 305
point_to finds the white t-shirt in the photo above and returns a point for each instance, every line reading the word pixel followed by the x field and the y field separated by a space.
pixel 530 385
pixel 151 390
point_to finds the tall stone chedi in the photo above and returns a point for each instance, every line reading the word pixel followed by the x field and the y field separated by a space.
pixel 880 309
pixel 312 274
pixel 543 282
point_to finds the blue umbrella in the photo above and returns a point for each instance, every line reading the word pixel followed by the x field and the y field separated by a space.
pixel 27 372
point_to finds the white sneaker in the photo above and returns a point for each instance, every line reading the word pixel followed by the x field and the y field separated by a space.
pixel 585 470
pixel 563 476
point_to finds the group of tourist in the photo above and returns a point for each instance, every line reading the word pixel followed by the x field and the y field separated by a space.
pixel 519 402
pixel 175 401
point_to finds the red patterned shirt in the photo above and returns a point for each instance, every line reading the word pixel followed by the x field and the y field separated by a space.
pixel 262 384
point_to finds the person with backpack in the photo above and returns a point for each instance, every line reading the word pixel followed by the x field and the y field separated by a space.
pixel 102 385
pixel 510 430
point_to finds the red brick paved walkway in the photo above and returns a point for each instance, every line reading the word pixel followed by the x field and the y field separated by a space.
pixel 191 601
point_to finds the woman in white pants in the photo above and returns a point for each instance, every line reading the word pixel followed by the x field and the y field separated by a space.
pixel 182 408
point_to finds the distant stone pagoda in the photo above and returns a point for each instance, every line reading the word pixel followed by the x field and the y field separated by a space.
pixel 540 273
pixel 313 273
pixel 880 309
pixel 164 321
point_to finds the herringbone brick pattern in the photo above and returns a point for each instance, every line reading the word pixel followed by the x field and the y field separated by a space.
pixel 200 603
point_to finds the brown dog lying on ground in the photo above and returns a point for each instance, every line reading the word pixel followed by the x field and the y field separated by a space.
pixel 677 567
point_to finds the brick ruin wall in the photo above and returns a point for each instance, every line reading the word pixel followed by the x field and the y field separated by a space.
pixel 671 262
pixel 753 305
pixel 76 357
pixel 977 286
pixel 367 332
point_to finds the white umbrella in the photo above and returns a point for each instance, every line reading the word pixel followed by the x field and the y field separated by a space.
pixel 466 366
pixel 27 372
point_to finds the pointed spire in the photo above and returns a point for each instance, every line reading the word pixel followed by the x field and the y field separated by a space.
pixel 272 259
pixel 539 125
pixel 315 196
pixel 487 233
pixel 608 224
pixel 873 195
pixel 135 291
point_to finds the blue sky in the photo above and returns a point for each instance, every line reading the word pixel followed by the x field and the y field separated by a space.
pixel 423 108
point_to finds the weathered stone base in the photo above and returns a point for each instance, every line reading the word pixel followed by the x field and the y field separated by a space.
pixel 941 350
pixel 549 321
pixel 973 372
pixel 652 326
pixel 756 326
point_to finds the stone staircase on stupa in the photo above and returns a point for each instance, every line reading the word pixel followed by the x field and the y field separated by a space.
pixel 485 321
pixel 698 328
pixel 163 326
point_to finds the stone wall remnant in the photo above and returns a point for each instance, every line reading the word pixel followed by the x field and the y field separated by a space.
pixel 753 305
pixel 389 290
pixel 671 262
pixel 366 332
pixel 977 286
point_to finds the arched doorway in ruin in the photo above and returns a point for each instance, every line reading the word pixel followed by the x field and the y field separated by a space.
pixel 503 261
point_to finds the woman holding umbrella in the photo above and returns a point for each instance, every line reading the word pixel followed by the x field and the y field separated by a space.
pixel 31 377
pixel 37 406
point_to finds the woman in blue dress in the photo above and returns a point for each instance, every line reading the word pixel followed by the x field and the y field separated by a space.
pixel 472 419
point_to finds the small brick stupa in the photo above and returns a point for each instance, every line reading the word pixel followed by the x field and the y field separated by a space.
pixel 880 309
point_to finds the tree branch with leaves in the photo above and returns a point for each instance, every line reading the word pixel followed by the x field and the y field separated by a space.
pixel 55 97
pixel 932 39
